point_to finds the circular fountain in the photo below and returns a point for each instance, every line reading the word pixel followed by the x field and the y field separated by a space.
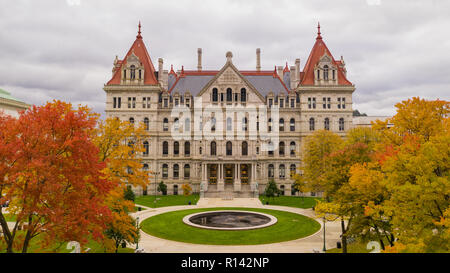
pixel 230 220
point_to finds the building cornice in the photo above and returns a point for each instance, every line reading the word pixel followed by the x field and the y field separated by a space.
pixel 14 103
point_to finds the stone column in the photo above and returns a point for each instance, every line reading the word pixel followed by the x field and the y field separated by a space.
pixel 204 171
pixel 220 184
pixel 237 181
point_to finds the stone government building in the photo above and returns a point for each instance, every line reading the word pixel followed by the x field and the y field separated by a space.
pixel 318 97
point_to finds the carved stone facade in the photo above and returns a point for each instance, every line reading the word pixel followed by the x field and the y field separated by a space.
pixel 229 131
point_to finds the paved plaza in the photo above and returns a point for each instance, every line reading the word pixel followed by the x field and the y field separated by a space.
pixel 151 244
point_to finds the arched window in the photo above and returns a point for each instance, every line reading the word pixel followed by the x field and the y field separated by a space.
pixel 131 145
pixel 187 125
pixel 215 96
pixel 187 171
pixel 325 72
pixel 176 126
pixel 281 124
pixel 281 149
pixel 176 171
pixel 229 94
pixel 165 171
pixel 318 74
pixel 292 148
pixel 293 169
pixel 282 171
pixel 244 124
pixel 213 124
pixel 229 148
pixel 165 124
pixel 146 124
pixel 311 124
pixel 165 148
pixel 213 148
pixel 326 124
pixel 292 125
pixel 187 148
pixel 229 124
pixel 244 148
pixel 176 148
pixel 270 171
pixel 341 124
pixel 243 95
pixel 270 148
pixel 133 72
pixel 131 120
pixel 146 148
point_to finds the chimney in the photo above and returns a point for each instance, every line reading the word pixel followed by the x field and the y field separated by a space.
pixel 258 59
pixel 199 61
pixel 297 70
pixel 280 71
pixel 160 70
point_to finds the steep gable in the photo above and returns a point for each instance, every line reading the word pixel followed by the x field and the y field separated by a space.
pixel 318 51
pixel 139 51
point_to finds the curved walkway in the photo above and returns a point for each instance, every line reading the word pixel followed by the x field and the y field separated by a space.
pixel 152 244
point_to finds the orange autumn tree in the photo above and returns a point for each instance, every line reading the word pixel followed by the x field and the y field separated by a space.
pixel 51 175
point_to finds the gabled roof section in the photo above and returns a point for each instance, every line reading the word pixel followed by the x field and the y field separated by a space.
pixel 318 50
pixel 139 49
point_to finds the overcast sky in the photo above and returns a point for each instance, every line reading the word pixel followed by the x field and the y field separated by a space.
pixel 64 49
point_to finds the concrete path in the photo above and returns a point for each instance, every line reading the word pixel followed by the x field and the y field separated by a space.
pixel 152 244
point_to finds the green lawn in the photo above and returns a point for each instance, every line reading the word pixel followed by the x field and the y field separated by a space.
pixel 35 247
pixel 359 246
pixel 166 200
pixel 290 201
pixel 170 226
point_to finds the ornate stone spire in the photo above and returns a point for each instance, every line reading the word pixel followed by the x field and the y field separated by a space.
pixel 139 36
pixel 318 31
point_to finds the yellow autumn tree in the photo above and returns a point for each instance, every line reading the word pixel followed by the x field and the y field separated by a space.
pixel 317 146
pixel 121 147
pixel 413 167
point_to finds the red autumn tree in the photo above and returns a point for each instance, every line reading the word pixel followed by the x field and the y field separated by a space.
pixel 51 175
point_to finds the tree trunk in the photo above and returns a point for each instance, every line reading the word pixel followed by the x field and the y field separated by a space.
pixel 344 237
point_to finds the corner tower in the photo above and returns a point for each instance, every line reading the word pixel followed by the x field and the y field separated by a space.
pixel 325 92
pixel 134 81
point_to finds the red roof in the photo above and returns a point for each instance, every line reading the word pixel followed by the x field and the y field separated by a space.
pixel 318 50
pixel 141 52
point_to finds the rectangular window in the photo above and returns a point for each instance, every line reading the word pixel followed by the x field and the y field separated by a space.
pixel 119 102
pixel 281 103
pixel 221 96
pixel 339 103
pixel 114 102
pixel 235 97
pixel 270 103
pixel 134 102
pixel 292 103
pixel 329 103
pixel 187 103
pixel 343 103
pixel 309 103
pixel 314 103
pixel 166 103
pixel 129 102
pixel 176 102
pixel 144 102
pixel 148 102
pixel 324 102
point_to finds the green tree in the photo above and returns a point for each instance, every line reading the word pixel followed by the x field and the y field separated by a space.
pixel 162 188
pixel 129 194
pixel 271 189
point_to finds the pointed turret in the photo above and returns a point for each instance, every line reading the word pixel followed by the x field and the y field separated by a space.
pixel 139 50
pixel 318 51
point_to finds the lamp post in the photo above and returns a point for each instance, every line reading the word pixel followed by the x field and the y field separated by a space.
pixel 156 179
pixel 324 247
pixel 137 238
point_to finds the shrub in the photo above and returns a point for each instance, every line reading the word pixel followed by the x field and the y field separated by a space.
pixel 271 189
pixel 129 194
pixel 162 188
